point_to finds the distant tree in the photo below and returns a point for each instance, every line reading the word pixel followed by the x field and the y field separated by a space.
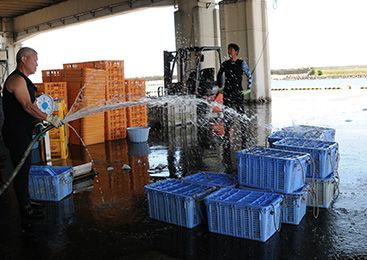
pixel 312 72
pixel 319 72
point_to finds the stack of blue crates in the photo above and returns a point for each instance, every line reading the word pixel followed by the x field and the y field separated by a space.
pixel 325 156
pixel 277 171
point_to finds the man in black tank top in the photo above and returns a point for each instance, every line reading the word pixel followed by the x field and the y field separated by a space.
pixel 233 93
pixel 21 114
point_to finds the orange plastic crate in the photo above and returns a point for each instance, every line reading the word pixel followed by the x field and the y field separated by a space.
pixel 135 89
pixel 115 124
pixel 90 129
pixel 90 82
pixel 53 75
pixel 77 65
pixel 108 64
pixel 137 116
pixel 54 89
pixel 115 90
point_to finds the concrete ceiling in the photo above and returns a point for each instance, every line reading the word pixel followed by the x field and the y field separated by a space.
pixel 22 19
pixel 14 8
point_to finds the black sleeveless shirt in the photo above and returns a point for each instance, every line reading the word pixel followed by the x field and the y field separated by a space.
pixel 233 76
pixel 17 120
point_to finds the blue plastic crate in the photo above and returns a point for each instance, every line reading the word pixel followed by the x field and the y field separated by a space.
pixel 312 132
pixel 177 202
pixel 272 169
pixel 219 180
pixel 50 182
pixel 323 191
pixel 244 213
pixel 294 205
pixel 324 154
pixel 280 135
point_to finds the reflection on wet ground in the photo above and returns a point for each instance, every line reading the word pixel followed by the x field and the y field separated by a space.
pixel 107 216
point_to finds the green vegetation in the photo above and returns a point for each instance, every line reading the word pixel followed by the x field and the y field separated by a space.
pixel 312 72
pixel 319 72
pixel 344 72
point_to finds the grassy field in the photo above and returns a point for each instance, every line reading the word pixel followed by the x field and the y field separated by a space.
pixel 344 72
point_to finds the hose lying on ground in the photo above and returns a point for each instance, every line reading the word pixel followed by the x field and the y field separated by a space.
pixel 25 155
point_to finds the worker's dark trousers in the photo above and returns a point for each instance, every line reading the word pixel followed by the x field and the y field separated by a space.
pixel 228 112
pixel 17 147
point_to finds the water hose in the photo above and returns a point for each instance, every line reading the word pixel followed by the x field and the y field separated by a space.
pixel 22 160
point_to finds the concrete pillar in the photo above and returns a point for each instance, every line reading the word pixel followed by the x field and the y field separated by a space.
pixel 244 22
pixel 8 43
pixel 197 25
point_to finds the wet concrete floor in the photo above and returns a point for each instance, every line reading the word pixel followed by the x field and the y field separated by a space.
pixel 107 217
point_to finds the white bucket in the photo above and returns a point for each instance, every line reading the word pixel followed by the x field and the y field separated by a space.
pixel 138 134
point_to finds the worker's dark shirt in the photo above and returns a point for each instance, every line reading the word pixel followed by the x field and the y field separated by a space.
pixel 17 121
pixel 233 72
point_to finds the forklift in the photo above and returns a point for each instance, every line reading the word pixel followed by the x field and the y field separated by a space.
pixel 195 76
pixel 192 79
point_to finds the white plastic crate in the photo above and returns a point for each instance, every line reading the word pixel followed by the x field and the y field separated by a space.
pixel 50 182
pixel 324 154
pixel 177 202
pixel 324 189
pixel 272 169
pixel 244 213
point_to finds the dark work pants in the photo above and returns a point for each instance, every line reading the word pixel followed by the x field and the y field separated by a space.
pixel 17 147
pixel 238 105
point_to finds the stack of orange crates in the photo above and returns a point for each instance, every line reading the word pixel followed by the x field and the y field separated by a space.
pixel 53 75
pixel 115 120
pixel 93 82
pixel 136 115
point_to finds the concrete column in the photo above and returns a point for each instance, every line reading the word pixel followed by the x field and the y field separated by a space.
pixel 197 25
pixel 244 22
pixel 7 43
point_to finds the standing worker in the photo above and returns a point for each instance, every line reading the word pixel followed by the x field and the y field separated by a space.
pixel 21 114
pixel 233 93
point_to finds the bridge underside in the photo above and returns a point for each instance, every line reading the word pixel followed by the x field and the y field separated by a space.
pixel 197 23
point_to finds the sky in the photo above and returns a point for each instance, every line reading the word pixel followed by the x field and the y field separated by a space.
pixel 302 33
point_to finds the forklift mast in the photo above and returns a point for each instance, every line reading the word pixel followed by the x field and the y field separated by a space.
pixel 191 79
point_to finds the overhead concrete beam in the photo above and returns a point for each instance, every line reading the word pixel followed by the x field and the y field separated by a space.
pixel 75 11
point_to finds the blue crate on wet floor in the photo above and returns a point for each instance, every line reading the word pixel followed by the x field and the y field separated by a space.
pixel 325 154
pixel 244 213
pixel 294 205
pixel 50 182
pixel 323 191
pixel 312 132
pixel 272 169
pixel 219 180
pixel 178 202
